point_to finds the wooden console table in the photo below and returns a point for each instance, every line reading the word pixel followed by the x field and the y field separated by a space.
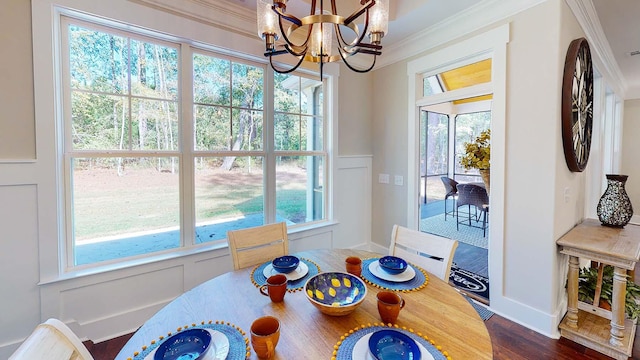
pixel 607 332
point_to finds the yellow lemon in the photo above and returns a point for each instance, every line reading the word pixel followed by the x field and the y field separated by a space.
pixel 310 293
pixel 347 282
pixel 319 294
pixel 356 292
pixel 335 304
pixel 332 292
pixel 335 282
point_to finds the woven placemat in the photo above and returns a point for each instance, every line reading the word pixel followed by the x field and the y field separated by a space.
pixel 258 278
pixel 418 282
pixel 343 350
pixel 238 344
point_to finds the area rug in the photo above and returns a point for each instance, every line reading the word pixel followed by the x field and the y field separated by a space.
pixel 471 284
pixel 466 234
pixel 484 313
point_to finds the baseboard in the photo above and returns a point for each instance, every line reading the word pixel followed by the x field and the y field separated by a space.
pixel 527 316
pixel 377 248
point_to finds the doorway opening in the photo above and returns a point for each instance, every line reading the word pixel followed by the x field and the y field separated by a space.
pixel 445 128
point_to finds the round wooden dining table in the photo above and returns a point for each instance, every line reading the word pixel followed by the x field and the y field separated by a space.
pixel 436 311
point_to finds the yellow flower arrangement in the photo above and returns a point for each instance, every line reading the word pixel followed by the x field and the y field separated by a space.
pixel 477 153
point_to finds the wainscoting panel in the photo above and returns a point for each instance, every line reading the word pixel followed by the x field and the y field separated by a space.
pixel 111 303
pixel 312 239
pixel 20 299
pixel 108 298
pixel 353 201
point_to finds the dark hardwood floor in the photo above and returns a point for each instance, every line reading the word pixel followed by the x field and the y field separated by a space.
pixel 510 342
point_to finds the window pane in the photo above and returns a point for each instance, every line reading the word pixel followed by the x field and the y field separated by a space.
pixel 431 86
pixel 229 194
pixel 212 128
pixel 437 143
pixel 248 83
pixel 154 125
pixel 287 132
pixel 98 61
pixel 124 207
pixel 99 122
pixel 468 127
pixel 247 130
pixel 300 184
pixel 311 96
pixel 312 136
pixel 211 80
pixel 286 93
pixel 154 70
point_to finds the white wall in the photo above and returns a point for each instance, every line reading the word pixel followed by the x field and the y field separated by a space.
pixel 102 305
pixel 631 147
pixel 535 172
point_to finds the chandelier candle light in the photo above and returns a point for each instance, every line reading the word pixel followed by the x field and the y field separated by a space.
pixel 310 38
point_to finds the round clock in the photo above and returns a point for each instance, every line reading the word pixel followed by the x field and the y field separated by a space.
pixel 577 104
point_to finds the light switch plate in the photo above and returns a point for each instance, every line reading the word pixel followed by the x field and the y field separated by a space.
pixel 383 178
pixel 398 180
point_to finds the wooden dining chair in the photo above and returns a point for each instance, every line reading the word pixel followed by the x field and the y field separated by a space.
pixel 52 340
pixel 252 246
pixel 431 252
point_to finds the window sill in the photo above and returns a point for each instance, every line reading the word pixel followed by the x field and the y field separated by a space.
pixel 142 260
pixel 219 246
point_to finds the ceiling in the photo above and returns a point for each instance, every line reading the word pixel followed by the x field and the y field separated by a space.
pixel 621 26
pixel 618 20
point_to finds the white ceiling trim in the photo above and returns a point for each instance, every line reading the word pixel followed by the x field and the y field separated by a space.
pixel 587 17
pixel 466 22
pixel 226 15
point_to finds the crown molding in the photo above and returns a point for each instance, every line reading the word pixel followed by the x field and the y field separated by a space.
pixel 585 13
pixel 466 22
pixel 223 14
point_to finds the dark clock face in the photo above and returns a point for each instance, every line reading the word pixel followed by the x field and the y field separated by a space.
pixel 577 105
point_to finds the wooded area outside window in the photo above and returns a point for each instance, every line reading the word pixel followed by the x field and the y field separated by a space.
pixel 168 146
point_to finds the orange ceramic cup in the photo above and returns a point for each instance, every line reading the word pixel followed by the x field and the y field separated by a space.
pixel 354 265
pixel 389 306
pixel 265 333
pixel 275 288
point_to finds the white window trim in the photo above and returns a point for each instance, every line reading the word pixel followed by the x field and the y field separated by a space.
pixel 490 44
pixel 46 17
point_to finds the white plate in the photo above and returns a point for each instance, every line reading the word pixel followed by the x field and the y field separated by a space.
pixel 296 274
pixel 377 271
pixel 361 350
pixel 218 348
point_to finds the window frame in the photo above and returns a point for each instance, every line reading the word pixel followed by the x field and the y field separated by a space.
pixel 186 152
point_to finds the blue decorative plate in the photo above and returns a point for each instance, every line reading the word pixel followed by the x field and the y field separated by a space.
pixel 393 345
pixel 190 344
pixel 392 264
pixel 285 264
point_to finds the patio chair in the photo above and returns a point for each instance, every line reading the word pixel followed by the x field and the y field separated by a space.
pixel 52 340
pixel 476 196
pixel 256 245
pixel 431 252
pixel 451 187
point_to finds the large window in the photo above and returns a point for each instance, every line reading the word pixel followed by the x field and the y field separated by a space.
pixel 168 146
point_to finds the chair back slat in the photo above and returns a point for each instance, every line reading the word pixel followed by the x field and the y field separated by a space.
pixel 431 252
pixel 258 244
pixel 52 340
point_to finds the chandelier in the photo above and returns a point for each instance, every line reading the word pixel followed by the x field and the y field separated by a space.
pixel 310 38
